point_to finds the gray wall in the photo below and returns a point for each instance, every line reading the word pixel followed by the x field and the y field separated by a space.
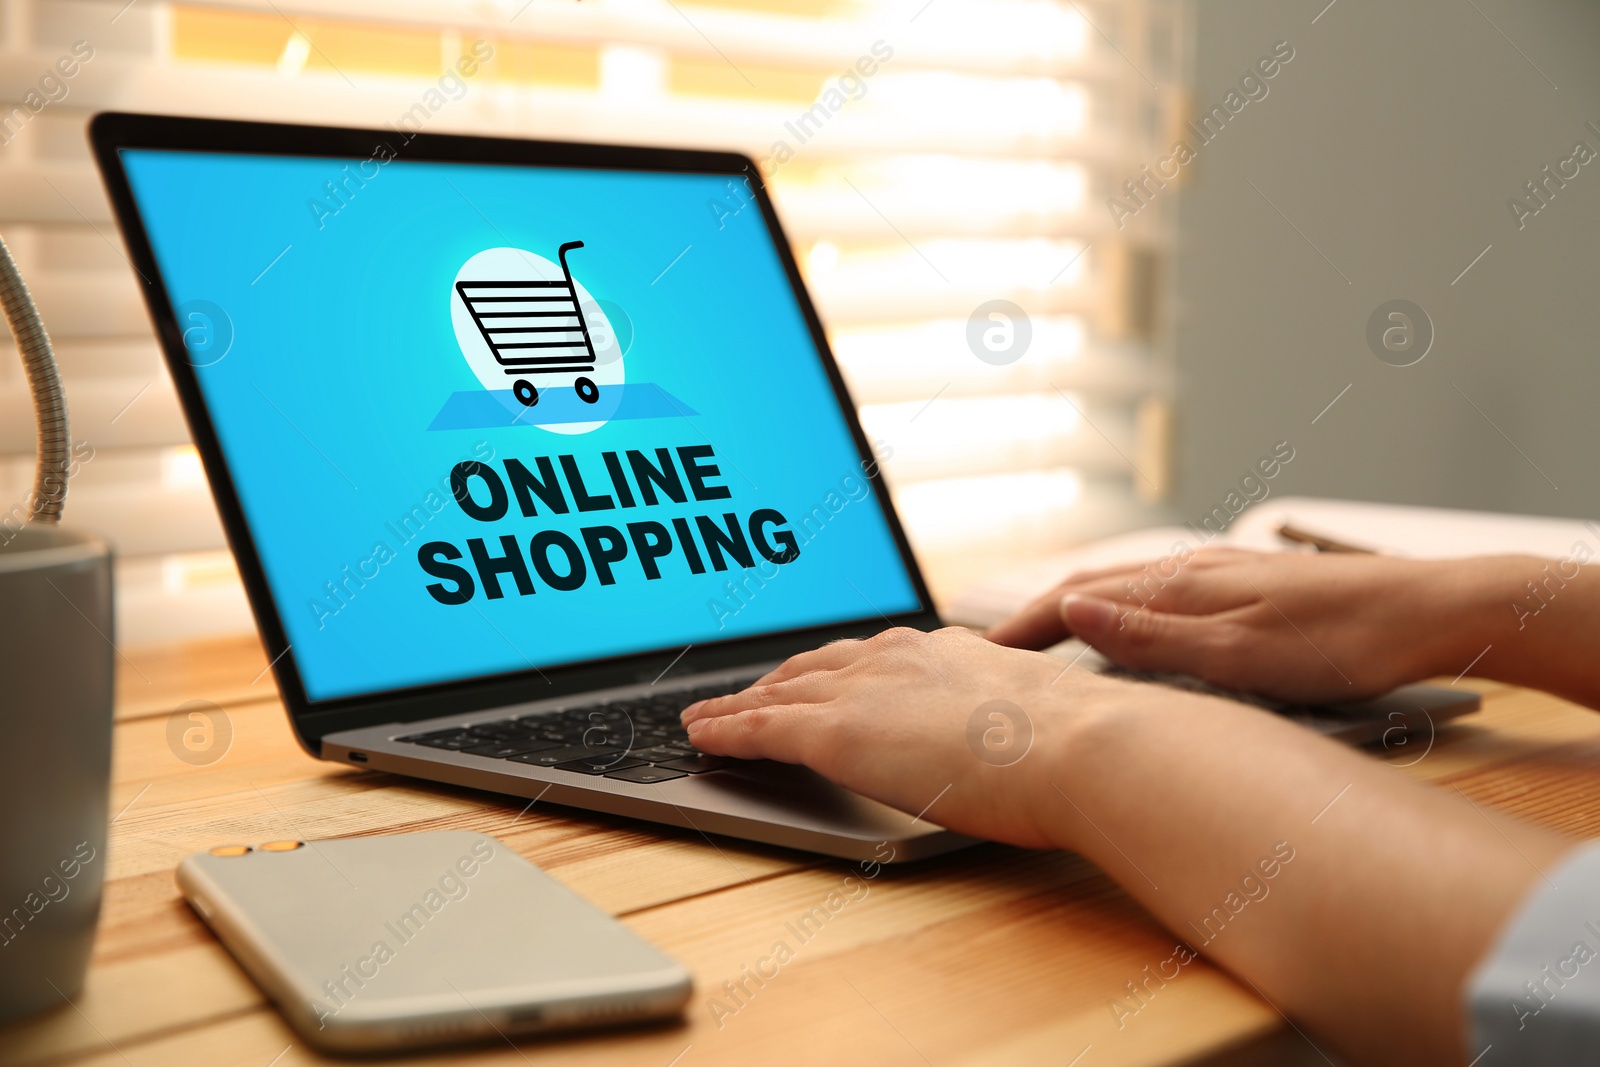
pixel 1393 141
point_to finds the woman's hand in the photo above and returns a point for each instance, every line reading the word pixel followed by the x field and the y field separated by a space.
pixel 1385 893
pixel 1282 625
pixel 942 723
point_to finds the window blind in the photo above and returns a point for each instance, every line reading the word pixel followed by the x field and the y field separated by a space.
pixel 940 165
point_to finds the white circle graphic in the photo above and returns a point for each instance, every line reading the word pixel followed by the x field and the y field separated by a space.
pixel 561 385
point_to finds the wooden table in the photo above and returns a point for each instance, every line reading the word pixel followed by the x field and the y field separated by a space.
pixel 992 956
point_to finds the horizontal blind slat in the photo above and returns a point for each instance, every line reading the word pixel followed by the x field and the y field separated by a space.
pixel 83 358
pixel 60 193
pixel 90 303
pixel 108 413
pixel 68 195
pixel 725 35
pixel 147 519
pixel 111 82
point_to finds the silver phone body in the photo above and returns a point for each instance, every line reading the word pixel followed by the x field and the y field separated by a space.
pixel 386 942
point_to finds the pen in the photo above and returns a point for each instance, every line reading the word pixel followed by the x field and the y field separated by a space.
pixel 1317 541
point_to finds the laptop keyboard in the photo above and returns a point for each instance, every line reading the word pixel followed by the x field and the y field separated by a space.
pixel 636 740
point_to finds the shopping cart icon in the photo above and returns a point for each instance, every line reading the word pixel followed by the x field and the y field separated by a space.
pixel 535 327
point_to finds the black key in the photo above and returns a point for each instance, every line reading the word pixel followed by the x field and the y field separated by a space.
pixel 454 740
pixel 695 764
pixel 658 753
pixel 449 732
pixel 604 765
pixel 507 749
pixel 593 711
pixel 594 739
pixel 596 711
pixel 503 737
pixel 645 775
pixel 553 756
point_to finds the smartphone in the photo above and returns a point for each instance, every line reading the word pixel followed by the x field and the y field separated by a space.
pixel 374 943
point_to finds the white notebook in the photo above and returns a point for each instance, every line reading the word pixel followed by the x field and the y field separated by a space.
pixel 1421 533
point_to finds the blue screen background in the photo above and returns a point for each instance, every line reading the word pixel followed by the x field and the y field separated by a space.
pixel 342 353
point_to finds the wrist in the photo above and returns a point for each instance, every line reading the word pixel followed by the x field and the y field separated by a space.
pixel 1475 610
pixel 1088 721
pixel 1535 615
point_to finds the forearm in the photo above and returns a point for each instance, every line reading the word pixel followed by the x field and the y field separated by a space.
pixel 1535 621
pixel 1390 893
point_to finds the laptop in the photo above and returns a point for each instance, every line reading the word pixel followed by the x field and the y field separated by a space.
pixel 521 447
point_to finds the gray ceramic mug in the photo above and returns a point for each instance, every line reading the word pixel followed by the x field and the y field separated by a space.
pixel 56 661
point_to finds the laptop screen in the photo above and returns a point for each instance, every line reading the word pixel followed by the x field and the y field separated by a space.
pixel 484 418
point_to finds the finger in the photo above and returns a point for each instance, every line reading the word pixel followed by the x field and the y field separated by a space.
pixel 1043 622
pixel 1153 640
pixel 1039 625
pixel 830 657
pixel 804 679
pixel 1210 556
pixel 1194 593
pixel 804 689
pixel 783 732
pixel 807 677
pixel 1034 627
pixel 1217 555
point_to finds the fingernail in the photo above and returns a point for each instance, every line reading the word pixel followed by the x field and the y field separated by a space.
pixel 695 727
pixel 1087 617
pixel 690 712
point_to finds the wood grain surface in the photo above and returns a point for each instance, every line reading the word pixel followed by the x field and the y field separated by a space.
pixel 992 956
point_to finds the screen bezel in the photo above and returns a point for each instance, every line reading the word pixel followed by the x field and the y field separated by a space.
pixel 111 132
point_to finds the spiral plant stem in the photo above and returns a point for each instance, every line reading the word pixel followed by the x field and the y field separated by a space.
pixel 44 381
